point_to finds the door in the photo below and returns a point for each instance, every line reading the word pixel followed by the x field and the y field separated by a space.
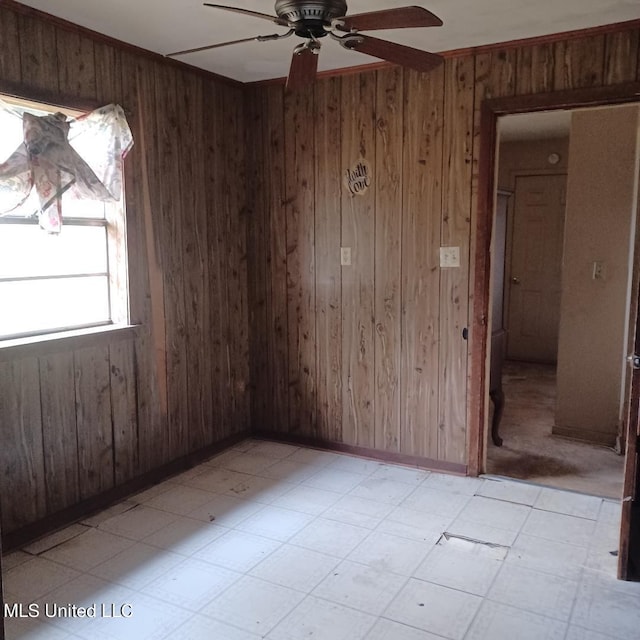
pixel 536 259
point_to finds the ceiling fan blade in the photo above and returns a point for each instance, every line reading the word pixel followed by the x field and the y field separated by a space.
pixel 302 72
pixel 211 46
pixel 396 53
pixel 247 12
pixel 400 18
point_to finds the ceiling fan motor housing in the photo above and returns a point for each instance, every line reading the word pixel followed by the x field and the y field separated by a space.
pixel 309 18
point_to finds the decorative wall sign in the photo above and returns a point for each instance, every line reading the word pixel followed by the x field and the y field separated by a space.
pixel 357 179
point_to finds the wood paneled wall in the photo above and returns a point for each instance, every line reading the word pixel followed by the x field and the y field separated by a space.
pixel 373 354
pixel 80 417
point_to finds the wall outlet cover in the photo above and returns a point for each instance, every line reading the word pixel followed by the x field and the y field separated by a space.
pixel 345 256
pixel 449 257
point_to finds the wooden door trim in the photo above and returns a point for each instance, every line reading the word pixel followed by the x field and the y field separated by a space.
pixel 490 110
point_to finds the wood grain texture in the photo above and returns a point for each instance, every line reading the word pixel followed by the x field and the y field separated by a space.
pixel 358 233
pixel 621 57
pixel 388 179
pixel 328 272
pixel 422 203
pixel 38 54
pixel 535 69
pixel 76 65
pixel 22 475
pixel 10 68
pixel 301 285
pixel 59 432
pixel 93 421
pixel 579 63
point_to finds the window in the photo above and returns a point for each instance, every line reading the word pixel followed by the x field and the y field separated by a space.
pixel 57 282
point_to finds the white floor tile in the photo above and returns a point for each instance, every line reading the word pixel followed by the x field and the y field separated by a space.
pixel 237 550
pixel 137 523
pixel 278 450
pixel 433 608
pixel 151 619
pixel 275 522
pixel 608 606
pixel 398 473
pixel 205 628
pixel 307 499
pixel 568 503
pixel 436 501
pixel 331 537
pixel 180 499
pixel 363 466
pixel 216 479
pixel 191 584
pixel 259 489
pixel 185 536
pixel 610 513
pixel 89 549
pixel 559 527
pixel 251 463
pixel 495 513
pixel 253 605
pixel 416 525
pixel 34 578
pixel 383 490
pixel 137 566
pixel 14 559
pixel 579 633
pixel 289 471
pixel 331 479
pixel 454 484
pixel 517 492
pixel 313 457
pixel 482 532
pixel 386 552
pixel 33 629
pixel 547 556
pixel 358 511
pixel 361 587
pixel 295 567
pixel 98 518
pixel 322 620
pixel 59 537
pixel 389 630
pixel 226 511
pixel 220 459
pixel 541 593
pixel 463 565
pixel 500 622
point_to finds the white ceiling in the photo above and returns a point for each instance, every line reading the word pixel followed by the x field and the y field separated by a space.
pixel 164 26
pixel 541 125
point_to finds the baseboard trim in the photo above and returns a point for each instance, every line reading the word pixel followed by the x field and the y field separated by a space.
pixel 364 452
pixel 27 534
pixel 586 435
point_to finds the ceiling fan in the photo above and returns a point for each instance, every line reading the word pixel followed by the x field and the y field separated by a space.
pixel 316 19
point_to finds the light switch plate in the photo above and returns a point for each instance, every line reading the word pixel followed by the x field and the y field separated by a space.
pixel 345 256
pixel 449 257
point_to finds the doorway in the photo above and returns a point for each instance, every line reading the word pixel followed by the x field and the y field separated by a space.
pixel 563 413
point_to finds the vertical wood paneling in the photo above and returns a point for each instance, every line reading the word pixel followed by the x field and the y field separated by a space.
pixel 579 63
pixel 170 190
pixel 76 65
pixel 235 240
pixel 328 194
pixel 358 233
pixel 455 232
pixel 301 291
pixel 621 57
pixel 535 69
pixel 38 55
pixel 93 421
pixel 278 345
pixel 256 126
pixel 388 252
pixel 108 70
pixel 422 202
pixel 59 432
pixel 21 455
pixel 124 411
pixel 10 50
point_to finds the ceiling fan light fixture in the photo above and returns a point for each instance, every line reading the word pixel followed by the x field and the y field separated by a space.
pixel 310 17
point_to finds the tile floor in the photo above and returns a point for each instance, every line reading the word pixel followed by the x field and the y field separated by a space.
pixel 274 541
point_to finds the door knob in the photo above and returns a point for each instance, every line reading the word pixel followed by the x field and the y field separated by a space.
pixel 515 280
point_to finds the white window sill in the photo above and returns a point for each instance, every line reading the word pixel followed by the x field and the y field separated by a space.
pixel 16 348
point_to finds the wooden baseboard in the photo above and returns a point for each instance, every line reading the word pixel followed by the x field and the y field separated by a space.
pixel 27 534
pixel 365 452
pixel 586 435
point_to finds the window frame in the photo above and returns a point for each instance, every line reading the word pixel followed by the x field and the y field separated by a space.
pixel 114 223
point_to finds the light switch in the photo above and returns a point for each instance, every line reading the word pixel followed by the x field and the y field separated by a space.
pixel 345 256
pixel 449 257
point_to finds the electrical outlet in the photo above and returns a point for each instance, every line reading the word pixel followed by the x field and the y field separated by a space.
pixel 449 257
pixel 599 271
pixel 345 256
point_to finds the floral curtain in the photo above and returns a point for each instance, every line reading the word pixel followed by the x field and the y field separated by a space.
pixel 81 158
